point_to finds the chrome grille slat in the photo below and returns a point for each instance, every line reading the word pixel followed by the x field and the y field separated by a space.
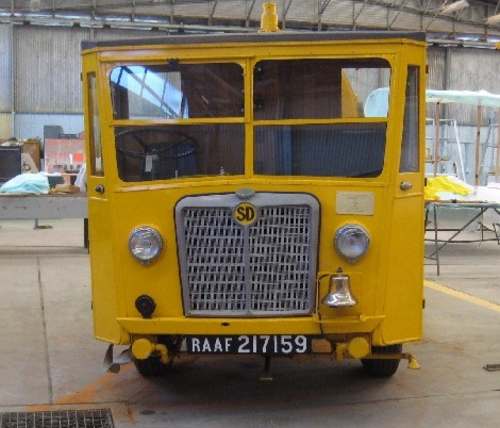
pixel 264 269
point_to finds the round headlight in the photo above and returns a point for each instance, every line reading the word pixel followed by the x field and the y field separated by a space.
pixel 351 241
pixel 145 244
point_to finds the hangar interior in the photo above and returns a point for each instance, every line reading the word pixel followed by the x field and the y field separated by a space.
pixel 40 43
pixel 50 362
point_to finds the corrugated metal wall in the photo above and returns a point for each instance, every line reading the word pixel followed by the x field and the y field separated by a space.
pixel 468 69
pixel 436 61
pixel 473 69
pixel 48 67
pixel 29 125
pixel 5 68
pixel 436 58
pixel 47 70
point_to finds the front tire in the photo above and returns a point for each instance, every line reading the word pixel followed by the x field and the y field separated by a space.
pixel 382 368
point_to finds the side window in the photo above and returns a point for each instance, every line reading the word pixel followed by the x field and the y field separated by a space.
pixel 96 162
pixel 410 150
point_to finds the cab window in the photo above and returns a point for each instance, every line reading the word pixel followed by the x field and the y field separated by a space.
pixel 409 151
pixel 305 90
pixel 175 151
pixel 96 161
pixel 177 91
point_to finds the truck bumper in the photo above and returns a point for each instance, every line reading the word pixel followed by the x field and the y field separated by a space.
pixel 229 326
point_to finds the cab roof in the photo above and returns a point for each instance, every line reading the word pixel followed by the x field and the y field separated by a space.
pixel 257 37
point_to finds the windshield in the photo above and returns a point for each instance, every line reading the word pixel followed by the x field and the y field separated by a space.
pixel 313 89
pixel 182 92
pixel 163 152
pixel 177 91
pixel 310 118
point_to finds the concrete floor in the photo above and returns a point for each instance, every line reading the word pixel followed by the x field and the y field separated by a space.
pixel 50 360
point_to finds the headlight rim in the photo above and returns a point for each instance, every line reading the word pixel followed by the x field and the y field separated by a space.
pixel 156 233
pixel 351 226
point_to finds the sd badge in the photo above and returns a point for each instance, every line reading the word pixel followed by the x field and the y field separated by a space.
pixel 245 214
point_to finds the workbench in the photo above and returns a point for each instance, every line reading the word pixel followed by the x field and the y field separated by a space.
pixel 42 207
pixel 432 208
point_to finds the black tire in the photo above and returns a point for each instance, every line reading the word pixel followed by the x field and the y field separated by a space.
pixel 382 368
pixel 152 367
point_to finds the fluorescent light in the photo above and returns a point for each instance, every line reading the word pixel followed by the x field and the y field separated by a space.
pixel 454 7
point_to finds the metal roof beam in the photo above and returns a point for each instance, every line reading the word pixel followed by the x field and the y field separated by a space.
pixel 249 12
pixel 212 12
pixel 172 11
pixel 132 15
pixel 286 8
pixel 99 9
pixel 358 14
pixel 396 15
pixel 322 5
pixel 415 11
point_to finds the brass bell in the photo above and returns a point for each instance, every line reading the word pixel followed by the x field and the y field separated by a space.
pixel 339 295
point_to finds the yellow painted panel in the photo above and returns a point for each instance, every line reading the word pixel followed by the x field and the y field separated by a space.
pixel 105 297
pixel 221 326
pixel 404 291
pixel 104 288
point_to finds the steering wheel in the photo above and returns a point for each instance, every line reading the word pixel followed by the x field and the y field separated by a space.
pixel 169 145
pixel 159 149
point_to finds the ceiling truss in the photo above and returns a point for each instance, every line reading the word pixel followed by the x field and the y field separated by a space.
pixel 212 15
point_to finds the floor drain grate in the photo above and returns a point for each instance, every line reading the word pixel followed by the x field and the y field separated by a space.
pixel 94 418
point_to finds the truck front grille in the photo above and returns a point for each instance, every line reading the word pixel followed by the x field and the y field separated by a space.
pixel 267 268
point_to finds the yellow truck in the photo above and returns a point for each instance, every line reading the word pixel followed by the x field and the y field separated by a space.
pixel 243 199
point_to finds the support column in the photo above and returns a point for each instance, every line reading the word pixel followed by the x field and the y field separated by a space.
pixel 437 137
pixel 477 172
pixel 13 81
pixel 6 82
pixel 497 159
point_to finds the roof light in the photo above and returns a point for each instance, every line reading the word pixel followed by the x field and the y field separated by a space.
pixel 454 7
pixel 492 20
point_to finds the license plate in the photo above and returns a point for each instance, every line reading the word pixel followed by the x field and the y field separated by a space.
pixel 246 344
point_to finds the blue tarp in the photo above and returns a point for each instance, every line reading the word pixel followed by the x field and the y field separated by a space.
pixel 27 183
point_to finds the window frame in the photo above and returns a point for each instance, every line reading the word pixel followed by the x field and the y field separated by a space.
pixel 184 121
pixel 413 165
pixel 322 120
pixel 393 67
pixel 176 129
pixel 94 126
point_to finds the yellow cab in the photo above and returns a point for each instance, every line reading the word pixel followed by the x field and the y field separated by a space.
pixel 257 194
